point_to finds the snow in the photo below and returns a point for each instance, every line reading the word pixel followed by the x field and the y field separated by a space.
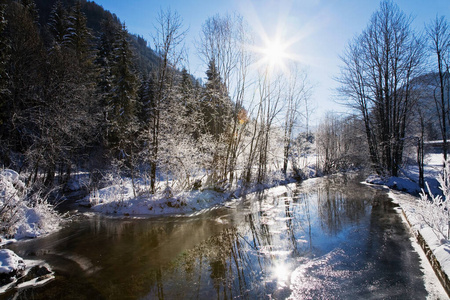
pixel 414 216
pixel 120 200
pixel 408 181
pixel 10 262
pixel 23 216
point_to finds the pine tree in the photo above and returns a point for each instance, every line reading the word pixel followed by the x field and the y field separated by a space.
pixel 58 24
pixel 104 61
pixel 217 106
pixel 186 87
pixel 70 108
pixel 30 6
pixel 191 110
pixel 146 100
pixel 23 50
pixel 123 101
pixel 4 57
pixel 78 34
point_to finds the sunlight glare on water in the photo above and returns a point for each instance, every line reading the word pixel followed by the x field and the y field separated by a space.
pixel 281 274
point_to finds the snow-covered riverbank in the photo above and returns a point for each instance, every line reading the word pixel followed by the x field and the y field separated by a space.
pixel 120 199
pixel 23 215
pixel 428 225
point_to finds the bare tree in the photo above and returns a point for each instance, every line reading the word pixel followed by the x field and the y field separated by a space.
pixel 439 38
pixel 340 143
pixel 376 79
pixel 168 38
pixel 222 42
pixel 298 92
pixel 271 87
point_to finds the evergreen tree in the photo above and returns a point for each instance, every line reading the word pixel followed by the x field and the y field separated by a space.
pixel 146 100
pixel 22 45
pixel 30 6
pixel 67 94
pixel 186 87
pixel 78 33
pixel 58 24
pixel 217 106
pixel 124 93
pixel 191 113
pixel 4 57
pixel 104 61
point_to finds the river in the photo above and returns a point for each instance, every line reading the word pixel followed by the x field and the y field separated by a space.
pixel 327 238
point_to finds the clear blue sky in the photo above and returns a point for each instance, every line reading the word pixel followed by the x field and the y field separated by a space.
pixel 323 28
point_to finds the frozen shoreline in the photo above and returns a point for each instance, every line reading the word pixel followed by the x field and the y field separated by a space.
pixel 404 191
pixel 435 248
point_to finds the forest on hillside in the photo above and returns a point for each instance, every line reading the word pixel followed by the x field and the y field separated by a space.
pixel 80 94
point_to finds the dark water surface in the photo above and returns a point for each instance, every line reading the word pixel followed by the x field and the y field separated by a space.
pixel 324 239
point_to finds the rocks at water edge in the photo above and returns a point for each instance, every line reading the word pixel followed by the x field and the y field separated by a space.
pixel 12 266
pixel 14 272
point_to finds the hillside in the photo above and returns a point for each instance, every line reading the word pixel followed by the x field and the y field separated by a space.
pixel 144 59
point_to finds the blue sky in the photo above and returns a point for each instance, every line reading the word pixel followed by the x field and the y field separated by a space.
pixel 322 28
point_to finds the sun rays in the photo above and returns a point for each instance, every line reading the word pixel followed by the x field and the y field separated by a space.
pixel 280 37
pixel 274 54
pixel 275 43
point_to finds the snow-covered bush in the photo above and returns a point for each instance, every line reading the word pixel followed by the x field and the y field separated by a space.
pixel 23 213
pixel 435 209
pixel 434 212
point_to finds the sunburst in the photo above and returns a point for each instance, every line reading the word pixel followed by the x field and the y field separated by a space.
pixel 274 53
pixel 277 45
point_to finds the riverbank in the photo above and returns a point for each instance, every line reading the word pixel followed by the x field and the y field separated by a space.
pixel 326 238
pixel 435 246
pixel 120 199
pixel 24 215
pixel 420 216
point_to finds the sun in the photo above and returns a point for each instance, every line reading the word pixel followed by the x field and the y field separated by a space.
pixel 277 38
pixel 275 53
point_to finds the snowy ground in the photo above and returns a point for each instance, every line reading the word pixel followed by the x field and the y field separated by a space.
pixel 409 178
pixel 119 200
pixel 23 214
pixel 19 273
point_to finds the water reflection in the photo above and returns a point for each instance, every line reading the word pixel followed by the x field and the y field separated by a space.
pixel 329 238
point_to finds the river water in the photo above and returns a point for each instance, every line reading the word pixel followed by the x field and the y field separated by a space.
pixel 328 238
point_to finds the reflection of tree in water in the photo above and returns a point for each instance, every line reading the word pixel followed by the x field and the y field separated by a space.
pixel 220 260
pixel 240 261
pixel 341 203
